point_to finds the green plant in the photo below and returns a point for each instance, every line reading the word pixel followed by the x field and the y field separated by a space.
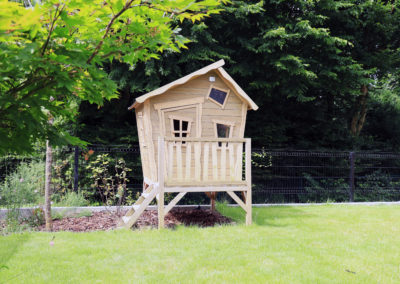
pixel 62 179
pixel 71 199
pixel 37 218
pixel 57 215
pixel 325 190
pixel 378 185
pixel 110 187
pixel 22 187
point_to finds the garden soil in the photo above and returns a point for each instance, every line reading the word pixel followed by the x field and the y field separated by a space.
pixel 106 220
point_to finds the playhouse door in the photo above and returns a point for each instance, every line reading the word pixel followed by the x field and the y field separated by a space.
pixel 181 122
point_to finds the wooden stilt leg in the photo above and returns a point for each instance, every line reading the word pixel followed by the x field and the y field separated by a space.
pixel 213 195
pixel 161 210
pixel 248 181
pixel 160 203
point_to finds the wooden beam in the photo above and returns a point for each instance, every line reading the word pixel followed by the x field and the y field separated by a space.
pixel 248 181
pixel 205 139
pixel 237 199
pixel 174 202
pixel 160 201
pixel 204 188
pixel 133 218
pixel 194 183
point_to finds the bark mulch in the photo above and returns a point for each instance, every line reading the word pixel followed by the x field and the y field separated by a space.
pixel 106 220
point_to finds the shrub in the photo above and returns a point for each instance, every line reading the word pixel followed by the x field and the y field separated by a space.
pixel 109 177
pixel 72 199
pixel 24 186
pixel 37 218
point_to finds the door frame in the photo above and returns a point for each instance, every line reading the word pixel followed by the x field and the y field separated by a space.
pixel 197 103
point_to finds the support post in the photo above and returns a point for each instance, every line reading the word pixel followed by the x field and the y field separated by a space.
pixel 160 202
pixel 351 177
pixel 76 167
pixel 248 181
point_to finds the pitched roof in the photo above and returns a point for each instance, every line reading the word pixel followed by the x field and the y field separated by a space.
pixel 217 66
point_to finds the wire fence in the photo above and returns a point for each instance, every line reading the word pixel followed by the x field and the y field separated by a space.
pixel 279 176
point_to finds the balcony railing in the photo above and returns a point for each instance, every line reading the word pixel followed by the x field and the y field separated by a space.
pixel 196 162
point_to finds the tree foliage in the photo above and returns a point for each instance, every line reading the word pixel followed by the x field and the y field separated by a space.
pixel 315 68
pixel 52 57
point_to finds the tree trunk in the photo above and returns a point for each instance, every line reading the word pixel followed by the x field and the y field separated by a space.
pixel 358 119
pixel 47 188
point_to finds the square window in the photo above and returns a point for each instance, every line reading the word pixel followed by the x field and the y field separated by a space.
pixel 218 96
pixel 180 127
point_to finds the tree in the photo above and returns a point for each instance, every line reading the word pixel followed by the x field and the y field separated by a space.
pixel 306 63
pixel 57 50
pixel 52 58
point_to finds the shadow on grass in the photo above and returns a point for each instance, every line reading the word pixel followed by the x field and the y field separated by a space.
pixel 9 245
pixel 275 216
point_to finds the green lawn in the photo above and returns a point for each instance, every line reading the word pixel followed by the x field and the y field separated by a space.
pixel 313 244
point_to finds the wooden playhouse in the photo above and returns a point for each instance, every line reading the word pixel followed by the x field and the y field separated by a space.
pixel 191 136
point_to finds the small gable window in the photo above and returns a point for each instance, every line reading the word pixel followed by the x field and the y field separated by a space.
pixel 218 96
pixel 180 126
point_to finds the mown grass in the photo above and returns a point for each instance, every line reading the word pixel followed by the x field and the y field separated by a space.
pixel 313 244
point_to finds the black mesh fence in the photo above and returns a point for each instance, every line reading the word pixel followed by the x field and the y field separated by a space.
pixel 279 176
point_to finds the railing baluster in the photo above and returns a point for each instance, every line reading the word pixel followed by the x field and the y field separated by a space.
pixel 197 162
pixel 179 160
pixel 239 161
pixel 170 160
pixel 188 160
pixel 223 161
pixel 205 161
pixel 231 162
pixel 215 161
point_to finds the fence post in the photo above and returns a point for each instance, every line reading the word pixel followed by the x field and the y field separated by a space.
pixel 351 180
pixel 76 166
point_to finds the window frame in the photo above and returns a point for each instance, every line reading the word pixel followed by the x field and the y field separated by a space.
pixel 227 91
pixel 231 125
pixel 173 117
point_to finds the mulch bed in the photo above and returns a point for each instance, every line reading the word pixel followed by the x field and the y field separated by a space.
pixel 106 220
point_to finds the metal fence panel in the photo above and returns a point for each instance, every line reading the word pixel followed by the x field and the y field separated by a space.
pixel 279 176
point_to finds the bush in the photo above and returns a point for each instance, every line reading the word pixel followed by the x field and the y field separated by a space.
pixel 73 199
pixel 24 186
pixel 37 218
pixel 109 179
